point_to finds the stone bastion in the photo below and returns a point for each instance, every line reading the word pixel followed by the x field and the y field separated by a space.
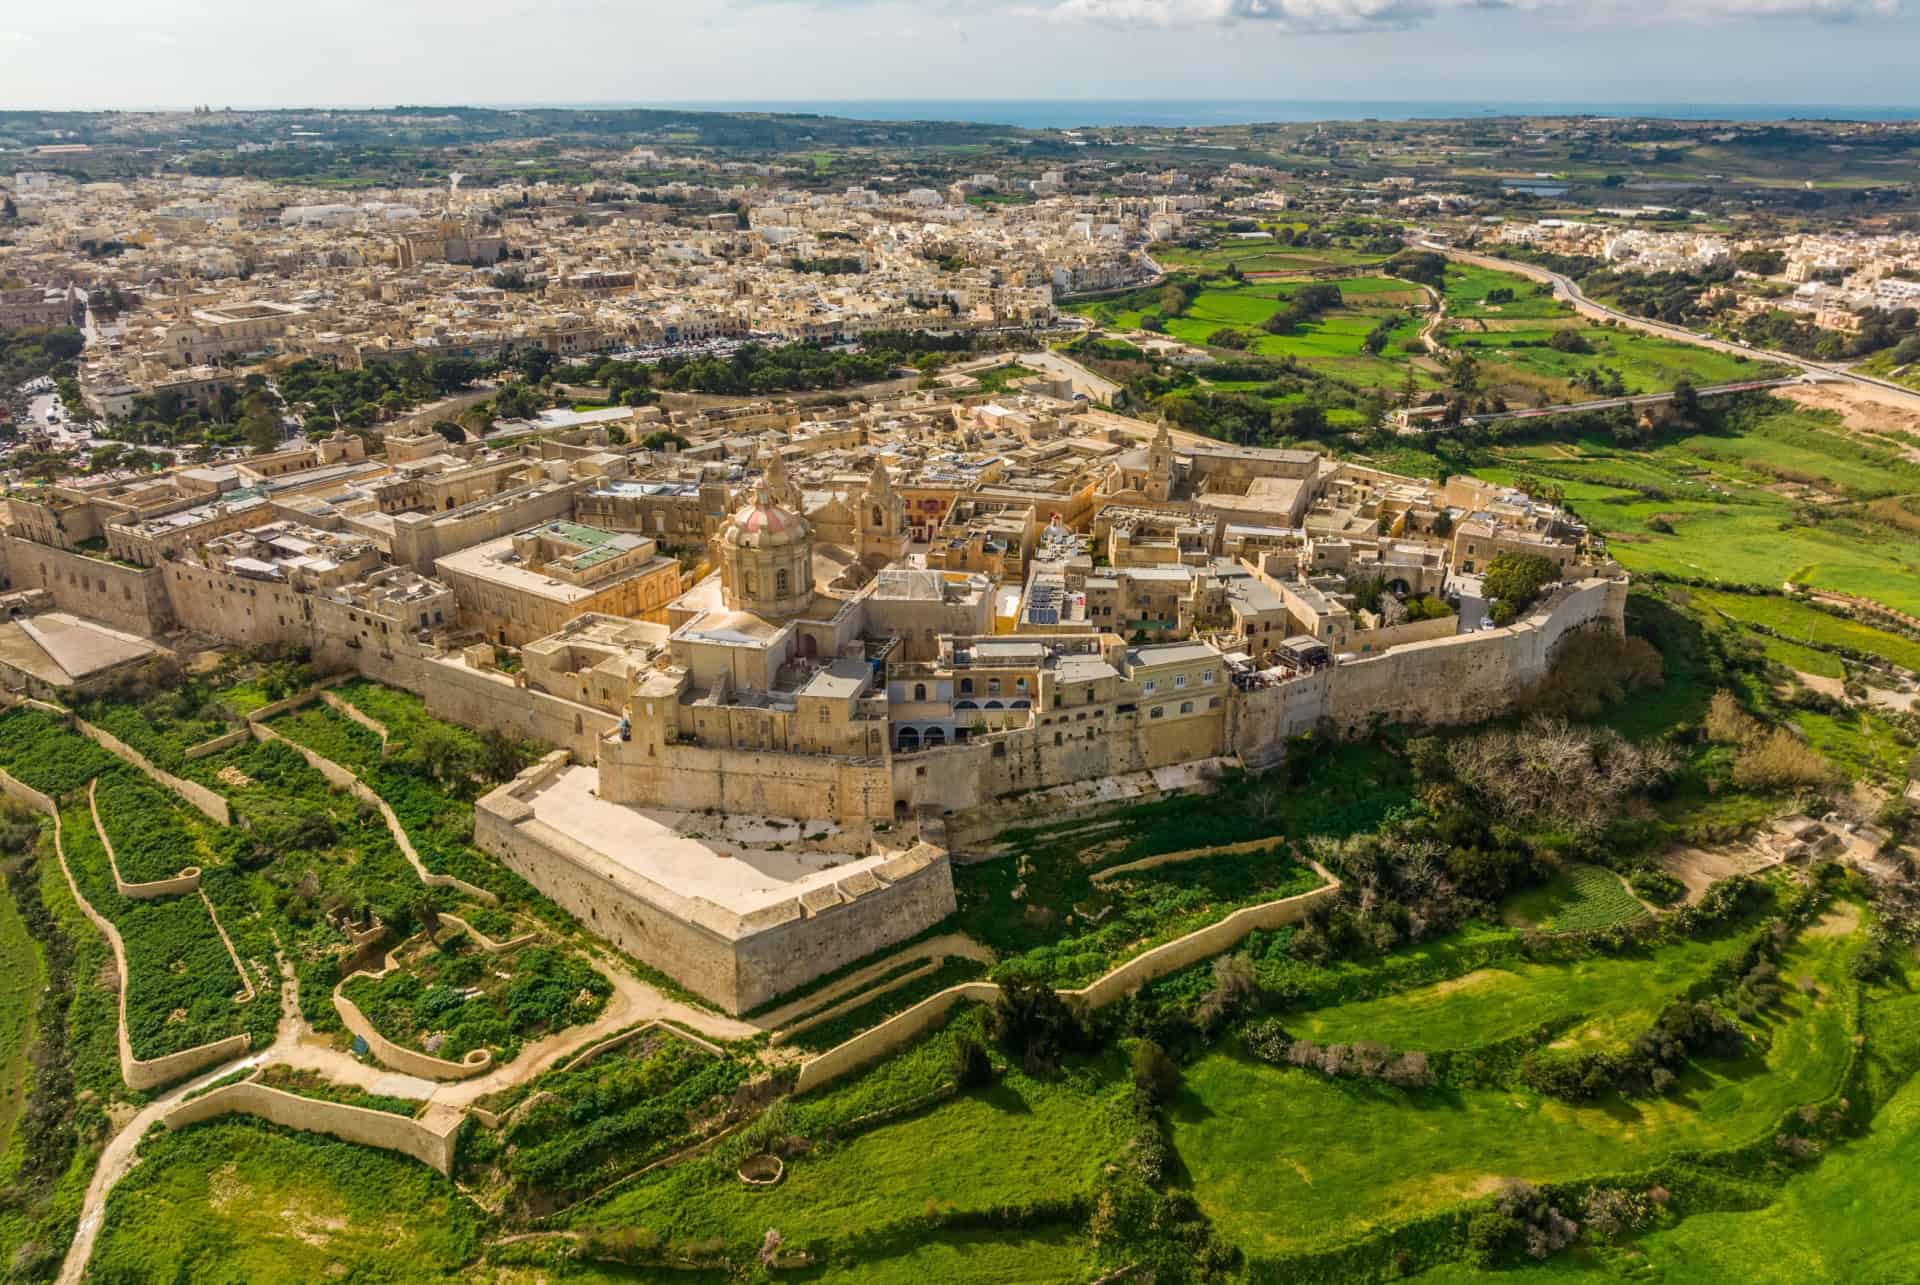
pixel 737 909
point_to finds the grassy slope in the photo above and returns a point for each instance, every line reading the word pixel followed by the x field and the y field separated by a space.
pixel 1020 1139
pixel 235 1200
pixel 1285 1160
pixel 20 979
pixel 1830 1223
pixel 1612 993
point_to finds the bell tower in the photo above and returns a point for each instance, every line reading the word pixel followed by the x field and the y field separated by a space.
pixel 883 519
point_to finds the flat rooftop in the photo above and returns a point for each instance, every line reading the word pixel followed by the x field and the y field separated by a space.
pixel 728 861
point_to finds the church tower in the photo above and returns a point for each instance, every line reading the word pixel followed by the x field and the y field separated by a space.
pixel 1160 464
pixel 882 525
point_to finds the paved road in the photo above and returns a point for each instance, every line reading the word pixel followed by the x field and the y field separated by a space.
pixel 1568 289
pixel 1608 403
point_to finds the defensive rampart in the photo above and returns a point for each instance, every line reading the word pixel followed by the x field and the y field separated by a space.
pixel 736 960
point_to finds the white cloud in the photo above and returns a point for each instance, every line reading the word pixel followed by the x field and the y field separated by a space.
pixel 1379 15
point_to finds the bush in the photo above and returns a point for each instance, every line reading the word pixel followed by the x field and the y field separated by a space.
pixel 1032 1022
pixel 1782 762
pixel 1515 580
pixel 971 1066
pixel 1154 1073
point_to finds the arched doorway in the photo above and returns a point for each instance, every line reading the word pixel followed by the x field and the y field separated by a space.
pixel 908 740
pixel 935 737
pixel 809 647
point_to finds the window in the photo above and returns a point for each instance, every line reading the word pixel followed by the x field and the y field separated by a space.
pixel 919 691
pixel 1186 707
pixel 1179 680
pixel 1150 686
pixel 966 687
pixel 1020 684
pixel 993 687
pixel 1158 711
pixel 780 583
pixel 826 714
pixel 1207 676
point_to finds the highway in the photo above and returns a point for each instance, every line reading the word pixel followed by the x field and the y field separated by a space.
pixel 1566 288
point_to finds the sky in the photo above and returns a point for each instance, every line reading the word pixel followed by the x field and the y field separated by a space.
pixel 247 53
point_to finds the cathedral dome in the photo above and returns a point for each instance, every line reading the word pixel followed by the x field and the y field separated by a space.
pixel 764 524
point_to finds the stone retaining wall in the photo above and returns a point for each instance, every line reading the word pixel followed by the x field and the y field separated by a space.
pixel 225 741
pixel 429 1145
pixel 904 1028
pixel 188 880
pixel 486 943
pixel 400 1058
pixel 139 1073
pixel 205 801
pixel 347 709
pixel 348 780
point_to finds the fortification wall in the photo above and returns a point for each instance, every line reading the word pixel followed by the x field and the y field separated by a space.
pixel 1463 678
pixel 737 962
pixel 240 608
pixel 131 598
pixel 487 699
pixel 885 912
pixel 369 1128
pixel 754 783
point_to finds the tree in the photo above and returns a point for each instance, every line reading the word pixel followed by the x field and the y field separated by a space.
pixel 260 422
pixel 1463 376
pixel 450 430
pixel 1154 1073
pixel 1515 580
pixel 971 1066
pixel 445 755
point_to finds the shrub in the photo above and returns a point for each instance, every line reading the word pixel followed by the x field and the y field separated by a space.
pixel 971 1066
pixel 1154 1073
pixel 1032 1022
pixel 1782 762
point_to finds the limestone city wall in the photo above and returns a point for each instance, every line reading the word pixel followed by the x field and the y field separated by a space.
pixel 749 782
pixel 737 962
pixel 131 598
pixel 360 1125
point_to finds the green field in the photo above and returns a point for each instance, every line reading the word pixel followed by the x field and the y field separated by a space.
pixel 1286 1161
pixel 20 980
pixel 1826 1224
pixel 1811 625
pixel 1020 1139
pixel 1609 994
pixel 235 1200
pixel 1510 340
pixel 1733 506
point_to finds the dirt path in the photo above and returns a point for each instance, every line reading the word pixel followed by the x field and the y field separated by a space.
pixel 296 1045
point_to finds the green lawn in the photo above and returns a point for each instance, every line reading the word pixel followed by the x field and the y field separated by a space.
pixel 20 980
pixel 1609 994
pixel 236 1200
pixel 1829 1223
pixel 1810 624
pixel 1020 1139
pixel 1285 1160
